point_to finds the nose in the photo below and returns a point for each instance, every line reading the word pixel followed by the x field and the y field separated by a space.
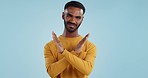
pixel 72 20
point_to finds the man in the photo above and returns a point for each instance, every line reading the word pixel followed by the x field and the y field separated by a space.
pixel 70 55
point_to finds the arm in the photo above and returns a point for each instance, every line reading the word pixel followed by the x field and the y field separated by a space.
pixel 84 66
pixel 54 67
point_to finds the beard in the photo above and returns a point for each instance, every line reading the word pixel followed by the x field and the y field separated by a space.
pixel 71 29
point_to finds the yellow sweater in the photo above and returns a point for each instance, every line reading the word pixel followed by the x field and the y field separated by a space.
pixel 69 64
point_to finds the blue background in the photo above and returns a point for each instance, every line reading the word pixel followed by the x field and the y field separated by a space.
pixel 119 28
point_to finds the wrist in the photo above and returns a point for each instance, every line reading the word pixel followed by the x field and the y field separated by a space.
pixel 61 51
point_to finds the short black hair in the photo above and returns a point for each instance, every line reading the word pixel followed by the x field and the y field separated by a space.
pixel 75 4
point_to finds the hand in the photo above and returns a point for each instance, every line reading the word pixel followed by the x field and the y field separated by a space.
pixel 58 43
pixel 79 46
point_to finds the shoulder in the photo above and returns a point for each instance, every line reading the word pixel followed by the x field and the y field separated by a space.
pixel 49 44
pixel 90 48
pixel 90 44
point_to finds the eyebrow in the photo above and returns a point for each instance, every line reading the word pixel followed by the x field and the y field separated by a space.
pixel 69 14
pixel 72 15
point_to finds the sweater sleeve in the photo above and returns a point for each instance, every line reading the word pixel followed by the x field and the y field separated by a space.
pixel 54 67
pixel 85 65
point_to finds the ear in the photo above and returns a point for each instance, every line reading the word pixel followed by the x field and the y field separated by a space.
pixel 62 15
pixel 82 18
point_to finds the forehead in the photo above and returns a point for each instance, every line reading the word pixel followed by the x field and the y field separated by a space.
pixel 74 11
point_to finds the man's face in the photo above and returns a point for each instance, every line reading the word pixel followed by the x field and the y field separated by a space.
pixel 72 17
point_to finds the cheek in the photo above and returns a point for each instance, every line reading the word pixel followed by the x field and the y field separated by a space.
pixel 79 22
pixel 67 18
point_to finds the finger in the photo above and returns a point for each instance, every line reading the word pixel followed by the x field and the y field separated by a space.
pixel 86 37
pixel 55 37
pixel 84 40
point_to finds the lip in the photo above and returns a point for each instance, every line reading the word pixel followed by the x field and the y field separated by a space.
pixel 72 26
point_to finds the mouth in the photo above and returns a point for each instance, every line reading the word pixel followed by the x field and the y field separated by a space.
pixel 71 26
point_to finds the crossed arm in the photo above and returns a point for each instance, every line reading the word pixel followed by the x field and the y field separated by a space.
pixel 83 65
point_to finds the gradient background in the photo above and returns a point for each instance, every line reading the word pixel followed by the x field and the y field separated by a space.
pixel 119 28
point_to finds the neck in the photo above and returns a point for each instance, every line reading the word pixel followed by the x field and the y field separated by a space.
pixel 70 35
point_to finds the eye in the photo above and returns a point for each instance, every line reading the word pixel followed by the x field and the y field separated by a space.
pixel 78 17
pixel 69 15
